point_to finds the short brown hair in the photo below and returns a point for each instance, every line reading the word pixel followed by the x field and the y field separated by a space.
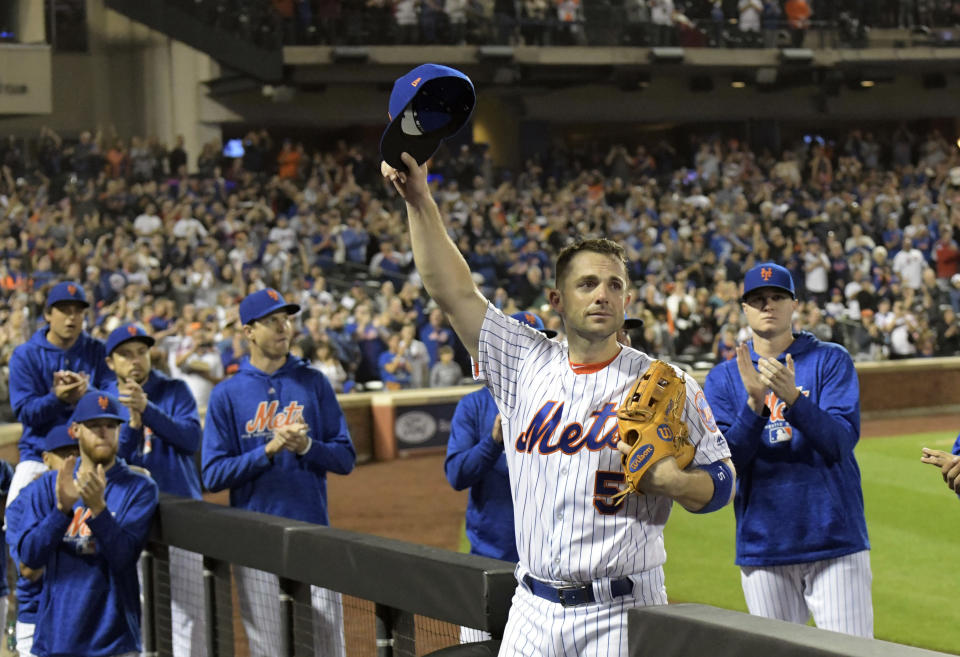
pixel 602 246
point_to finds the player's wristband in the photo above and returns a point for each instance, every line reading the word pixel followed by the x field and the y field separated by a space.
pixel 722 486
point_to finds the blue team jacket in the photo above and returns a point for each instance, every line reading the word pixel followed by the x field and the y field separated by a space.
pixel 241 416
pixel 90 601
pixel 169 438
pixel 31 384
pixel 28 591
pixel 798 497
pixel 476 462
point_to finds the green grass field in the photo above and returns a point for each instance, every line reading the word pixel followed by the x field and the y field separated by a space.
pixel 914 526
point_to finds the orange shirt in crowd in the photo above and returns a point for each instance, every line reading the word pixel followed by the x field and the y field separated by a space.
pixel 798 13
pixel 288 164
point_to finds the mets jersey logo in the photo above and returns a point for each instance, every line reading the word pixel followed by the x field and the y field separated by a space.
pixel 705 412
pixel 78 534
pixel 267 418
pixel 540 433
pixel 778 430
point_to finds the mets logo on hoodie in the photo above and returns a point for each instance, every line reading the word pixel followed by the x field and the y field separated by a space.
pixel 270 416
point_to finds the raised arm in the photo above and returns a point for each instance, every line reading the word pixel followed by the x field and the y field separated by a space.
pixel 444 272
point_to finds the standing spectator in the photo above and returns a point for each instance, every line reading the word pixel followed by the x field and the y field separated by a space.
pixel 816 267
pixel 946 254
pixel 789 407
pixel 161 434
pixel 415 352
pixel 770 19
pixel 85 526
pixel 435 333
pixel 798 18
pixel 197 361
pixel 50 374
pixel 177 159
pixel 445 372
pixel 750 12
pixel 394 367
pixel 909 264
pixel 272 433
pixel 661 17
pixel 288 161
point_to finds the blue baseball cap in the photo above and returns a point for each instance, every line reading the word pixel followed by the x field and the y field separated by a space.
pixel 126 333
pixel 528 318
pixel 262 303
pixel 58 437
pixel 67 291
pixel 427 105
pixel 768 274
pixel 97 405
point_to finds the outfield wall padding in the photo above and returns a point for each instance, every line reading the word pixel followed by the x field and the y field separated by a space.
pixel 682 630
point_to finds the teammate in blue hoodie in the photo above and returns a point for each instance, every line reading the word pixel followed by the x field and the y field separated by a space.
pixel 272 433
pixel 85 525
pixel 58 446
pixel 50 373
pixel 789 407
pixel 161 434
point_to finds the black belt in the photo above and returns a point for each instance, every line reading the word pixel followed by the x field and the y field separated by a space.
pixel 571 596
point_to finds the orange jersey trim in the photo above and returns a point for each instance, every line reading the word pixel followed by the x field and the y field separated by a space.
pixel 589 368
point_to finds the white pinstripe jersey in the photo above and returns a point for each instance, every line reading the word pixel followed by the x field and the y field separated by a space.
pixel 560 440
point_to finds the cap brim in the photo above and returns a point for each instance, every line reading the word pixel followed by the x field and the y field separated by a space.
pixel 394 142
pixel 550 333
pixel 768 287
pixel 290 308
pixel 146 339
pixel 102 416
pixel 82 302
pixel 632 323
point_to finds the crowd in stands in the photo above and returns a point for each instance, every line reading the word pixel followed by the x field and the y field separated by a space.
pixel 866 224
pixel 691 23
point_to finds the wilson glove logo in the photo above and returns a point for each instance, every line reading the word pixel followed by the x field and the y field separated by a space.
pixel 665 433
pixel 640 458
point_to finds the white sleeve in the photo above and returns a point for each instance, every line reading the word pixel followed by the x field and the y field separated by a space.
pixel 704 433
pixel 505 347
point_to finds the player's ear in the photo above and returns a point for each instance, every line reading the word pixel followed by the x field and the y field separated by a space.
pixel 556 303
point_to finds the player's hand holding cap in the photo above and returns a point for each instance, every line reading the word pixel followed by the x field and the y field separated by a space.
pixel 427 105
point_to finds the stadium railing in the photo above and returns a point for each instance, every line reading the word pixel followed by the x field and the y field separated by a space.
pixel 400 599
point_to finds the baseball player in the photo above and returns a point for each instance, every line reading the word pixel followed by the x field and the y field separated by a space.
pixel 789 406
pixel 85 525
pixel 50 373
pixel 585 559
pixel 272 433
pixel 161 434
pixel 58 446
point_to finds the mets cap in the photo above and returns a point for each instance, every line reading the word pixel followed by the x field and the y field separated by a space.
pixel 67 291
pixel 528 318
pixel 427 105
pixel 126 333
pixel 261 303
pixel 768 274
pixel 97 405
